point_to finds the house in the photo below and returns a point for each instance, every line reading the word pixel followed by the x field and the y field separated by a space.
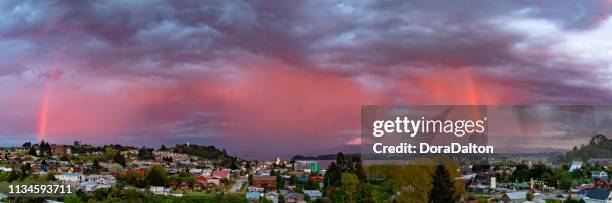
pixel 272 196
pixel 268 182
pixel 70 177
pixel 603 162
pixel 253 196
pixel 599 175
pixel 514 197
pixel 159 190
pixel 196 171
pixel 302 178
pixel 201 179
pixel 221 174
pixel 255 189
pixel 319 179
pixel 294 197
pixel 598 196
pixel 5 169
pixel 313 194
pixel 313 166
pixel 88 186
pixel 107 180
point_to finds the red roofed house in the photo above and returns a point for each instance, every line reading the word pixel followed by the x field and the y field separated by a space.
pixel 221 174
pixel 201 179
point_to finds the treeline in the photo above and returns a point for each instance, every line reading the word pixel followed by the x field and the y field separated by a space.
pixel 347 180
pixel 207 152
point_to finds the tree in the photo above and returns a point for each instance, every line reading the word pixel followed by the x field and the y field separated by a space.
pixel 156 176
pixel 442 190
pixel 133 178
pixel 96 166
pixel 350 185
pixel 529 196
pixel 26 145
pixel 280 182
pixel 32 152
pixel 145 154
pixel 44 148
pixel 163 148
pixel 120 159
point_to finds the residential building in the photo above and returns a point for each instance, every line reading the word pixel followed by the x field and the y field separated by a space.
pixel 272 196
pixel 60 149
pixel 598 196
pixel 70 177
pixel 221 174
pixel 313 194
pixel 514 197
pixel 599 175
pixel 159 190
pixel 268 182
pixel 294 197
pixel 253 196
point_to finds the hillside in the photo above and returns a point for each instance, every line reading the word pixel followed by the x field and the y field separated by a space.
pixel 599 147
pixel 207 152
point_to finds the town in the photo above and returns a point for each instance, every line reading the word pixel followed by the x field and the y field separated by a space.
pixel 188 173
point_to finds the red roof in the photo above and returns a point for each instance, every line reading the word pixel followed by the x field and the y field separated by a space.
pixel 201 179
pixel 220 174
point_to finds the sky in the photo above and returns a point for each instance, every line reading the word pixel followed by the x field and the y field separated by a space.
pixel 277 78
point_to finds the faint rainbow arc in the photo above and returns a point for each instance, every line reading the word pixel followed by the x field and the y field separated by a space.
pixel 44 103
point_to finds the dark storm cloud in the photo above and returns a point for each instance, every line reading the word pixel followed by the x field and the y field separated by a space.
pixel 324 35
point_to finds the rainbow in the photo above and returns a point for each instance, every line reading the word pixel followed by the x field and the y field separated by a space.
pixel 44 103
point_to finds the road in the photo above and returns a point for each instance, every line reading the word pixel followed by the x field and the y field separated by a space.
pixel 236 187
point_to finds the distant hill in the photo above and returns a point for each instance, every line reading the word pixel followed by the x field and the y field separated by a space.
pixel 207 152
pixel 321 157
pixel 599 147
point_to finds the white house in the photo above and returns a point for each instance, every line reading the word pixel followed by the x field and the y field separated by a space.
pixel 70 177
pixel 106 180
pixel 159 190
pixel 599 174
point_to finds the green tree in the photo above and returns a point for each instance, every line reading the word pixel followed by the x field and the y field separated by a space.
pixel 32 152
pixel 443 187
pixel 233 198
pixel 280 182
pixel 529 196
pixel 350 185
pixel 145 154
pixel 72 199
pixel 156 176
pixel 96 166
pixel 120 159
